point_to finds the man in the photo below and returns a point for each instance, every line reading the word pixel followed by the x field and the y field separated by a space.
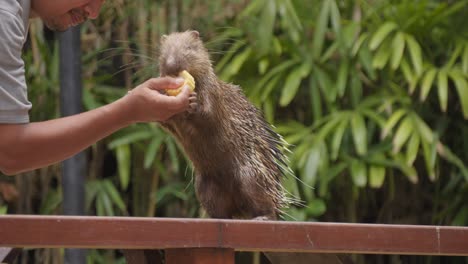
pixel 28 145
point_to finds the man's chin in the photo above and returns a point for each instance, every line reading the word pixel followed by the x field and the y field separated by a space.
pixel 57 27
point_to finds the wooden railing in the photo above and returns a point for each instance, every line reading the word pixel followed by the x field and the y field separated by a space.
pixel 214 241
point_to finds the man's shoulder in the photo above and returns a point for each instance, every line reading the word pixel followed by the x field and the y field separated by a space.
pixel 12 7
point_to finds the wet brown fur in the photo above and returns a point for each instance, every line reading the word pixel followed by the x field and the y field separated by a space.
pixel 235 153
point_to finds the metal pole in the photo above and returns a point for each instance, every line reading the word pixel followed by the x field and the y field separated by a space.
pixel 74 168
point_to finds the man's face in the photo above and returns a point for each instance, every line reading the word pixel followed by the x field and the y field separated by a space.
pixel 73 15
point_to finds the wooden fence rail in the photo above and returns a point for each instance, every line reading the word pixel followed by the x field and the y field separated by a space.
pixel 225 236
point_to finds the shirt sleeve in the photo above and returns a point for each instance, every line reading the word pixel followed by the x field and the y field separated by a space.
pixel 14 104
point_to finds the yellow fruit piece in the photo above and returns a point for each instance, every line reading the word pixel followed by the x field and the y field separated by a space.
pixel 189 80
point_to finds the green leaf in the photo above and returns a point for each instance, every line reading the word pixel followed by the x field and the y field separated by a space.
pixel 316 207
pixel 382 56
pixel 234 66
pixel 358 127
pixel 461 86
pixel 325 84
pixel 114 195
pixel 293 82
pixel 172 149
pixel 398 46
pixel 275 72
pixel 442 85
pixel 342 77
pixel 429 151
pixel 151 151
pixel 410 172
pixel 448 155
pixel 3 210
pixel 404 131
pixel 358 173
pixel 123 154
pixel 337 136
pixel 312 165
pixel 358 44
pixel 415 53
pixel 381 34
pixel 410 77
pixel 427 83
pixel 320 29
pixel 424 131
pixel 376 176
pixel 266 25
pixel 269 87
pixel 465 60
pixel 130 138
pixel 412 148
pixel 263 65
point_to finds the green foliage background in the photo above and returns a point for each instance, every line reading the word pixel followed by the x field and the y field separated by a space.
pixel 372 95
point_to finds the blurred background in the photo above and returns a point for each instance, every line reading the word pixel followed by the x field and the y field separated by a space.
pixel 371 94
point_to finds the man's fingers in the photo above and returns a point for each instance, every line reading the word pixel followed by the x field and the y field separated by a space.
pixel 164 83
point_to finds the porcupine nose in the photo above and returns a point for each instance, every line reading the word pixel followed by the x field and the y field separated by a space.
pixel 171 66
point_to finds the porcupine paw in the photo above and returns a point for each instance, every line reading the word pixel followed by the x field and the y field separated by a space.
pixel 193 103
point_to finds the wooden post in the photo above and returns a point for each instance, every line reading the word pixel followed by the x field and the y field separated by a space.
pixel 200 256
pixel 8 255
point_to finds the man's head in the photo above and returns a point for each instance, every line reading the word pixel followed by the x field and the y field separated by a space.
pixel 61 14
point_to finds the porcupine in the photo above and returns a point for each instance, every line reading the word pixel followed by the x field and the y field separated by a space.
pixel 238 158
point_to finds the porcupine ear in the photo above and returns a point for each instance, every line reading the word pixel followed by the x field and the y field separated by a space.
pixel 195 34
pixel 163 38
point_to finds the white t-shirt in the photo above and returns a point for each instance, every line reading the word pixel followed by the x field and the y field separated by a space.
pixel 14 21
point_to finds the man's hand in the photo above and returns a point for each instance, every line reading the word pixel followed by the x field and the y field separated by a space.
pixel 147 104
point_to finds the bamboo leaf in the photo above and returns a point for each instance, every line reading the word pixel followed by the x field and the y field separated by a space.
pixel 396 116
pixel 381 58
pixel 267 22
pixel 427 83
pixel 398 46
pixel 410 172
pixel 274 72
pixel 404 131
pixel 358 173
pixel 320 29
pixel 358 127
pixel 412 148
pixel 415 53
pixel 424 131
pixel 337 136
pixel 461 85
pixel 429 152
pixel 130 138
pixel 342 78
pixel 410 77
pixel 358 44
pixel 114 195
pixel 312 165
pixel 293 82
pixel 151 151
pixel 381 34
pixel 269 87
pixel 316 207
pixel 465 60
pixel 234 66
pixel 376 176
pixel 123 162
pixel 442 85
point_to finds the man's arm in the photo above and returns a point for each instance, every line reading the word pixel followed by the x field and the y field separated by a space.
pixel 25 147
